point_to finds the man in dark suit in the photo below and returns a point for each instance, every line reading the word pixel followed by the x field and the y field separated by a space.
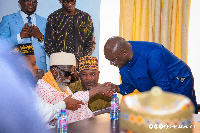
pixel 26 26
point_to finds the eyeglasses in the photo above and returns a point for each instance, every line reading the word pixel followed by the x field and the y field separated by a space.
pixel 114 60
pixel 31 1
pixel 65 73
pixel 69 2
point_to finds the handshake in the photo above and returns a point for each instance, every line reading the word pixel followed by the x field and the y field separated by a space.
pixel 107 89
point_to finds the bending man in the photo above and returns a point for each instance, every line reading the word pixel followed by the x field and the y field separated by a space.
pixel 143 65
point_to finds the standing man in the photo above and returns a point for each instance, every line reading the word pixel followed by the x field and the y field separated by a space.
pixel 70 30
pixel 143 65
pixel 26 26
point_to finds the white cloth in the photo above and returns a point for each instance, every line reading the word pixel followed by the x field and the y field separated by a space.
pixel 48 111
pixel 53 96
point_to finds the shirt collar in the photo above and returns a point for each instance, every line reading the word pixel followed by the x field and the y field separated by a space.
pixel 24 15
pixel 134 58
pixel 135 53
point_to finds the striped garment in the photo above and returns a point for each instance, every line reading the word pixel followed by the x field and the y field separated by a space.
pixel 70 33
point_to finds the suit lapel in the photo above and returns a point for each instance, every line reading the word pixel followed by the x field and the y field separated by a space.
pixel 37 21
pixel 18 19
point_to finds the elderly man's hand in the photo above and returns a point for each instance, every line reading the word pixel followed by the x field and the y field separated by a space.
pixel 72 104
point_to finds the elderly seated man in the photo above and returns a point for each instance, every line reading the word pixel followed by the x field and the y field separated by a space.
pixel 89 76
pixel 47 111
pixel 53 86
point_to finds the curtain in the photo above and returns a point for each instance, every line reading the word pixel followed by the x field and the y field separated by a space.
pixel 162 21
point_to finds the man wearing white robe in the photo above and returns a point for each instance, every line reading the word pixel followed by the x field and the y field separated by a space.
pixel 52 88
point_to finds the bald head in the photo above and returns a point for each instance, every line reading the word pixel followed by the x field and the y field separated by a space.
pixel 118 51
pixel 114 44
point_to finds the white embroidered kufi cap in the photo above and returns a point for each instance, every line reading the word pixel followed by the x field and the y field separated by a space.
pixel 62 58
pixel 156 111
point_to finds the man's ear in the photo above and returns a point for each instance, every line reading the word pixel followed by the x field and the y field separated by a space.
pixel 125 52
pixel 54 71
pixel 19 4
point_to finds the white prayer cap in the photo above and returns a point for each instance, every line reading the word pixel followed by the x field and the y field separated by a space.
pixel 62 58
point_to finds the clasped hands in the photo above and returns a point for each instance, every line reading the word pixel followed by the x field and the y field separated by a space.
pixel 29 31
pixel 108 89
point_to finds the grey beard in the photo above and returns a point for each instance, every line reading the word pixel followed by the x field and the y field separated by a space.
pixel 62 86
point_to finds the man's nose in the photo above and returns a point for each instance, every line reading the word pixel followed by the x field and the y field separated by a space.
pixel 112 63
pixel 36 67
pixel 69 77
pixel 88 77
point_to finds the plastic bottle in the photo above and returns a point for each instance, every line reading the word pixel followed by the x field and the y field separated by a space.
pixel 114 110
pixel 62 122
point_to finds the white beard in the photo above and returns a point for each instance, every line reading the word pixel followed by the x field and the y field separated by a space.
pixel 61 85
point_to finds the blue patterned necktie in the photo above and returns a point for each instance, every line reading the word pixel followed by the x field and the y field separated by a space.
pixel 29 21
pixel 29 24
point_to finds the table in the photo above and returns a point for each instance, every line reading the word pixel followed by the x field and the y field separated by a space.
pixel 103 124
pixel 98 124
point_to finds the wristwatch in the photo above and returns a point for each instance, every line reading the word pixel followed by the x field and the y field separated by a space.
pixel 42 39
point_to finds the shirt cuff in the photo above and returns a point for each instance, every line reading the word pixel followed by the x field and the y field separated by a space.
pixel 19 39
pixel 42 43
pixel 61 105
